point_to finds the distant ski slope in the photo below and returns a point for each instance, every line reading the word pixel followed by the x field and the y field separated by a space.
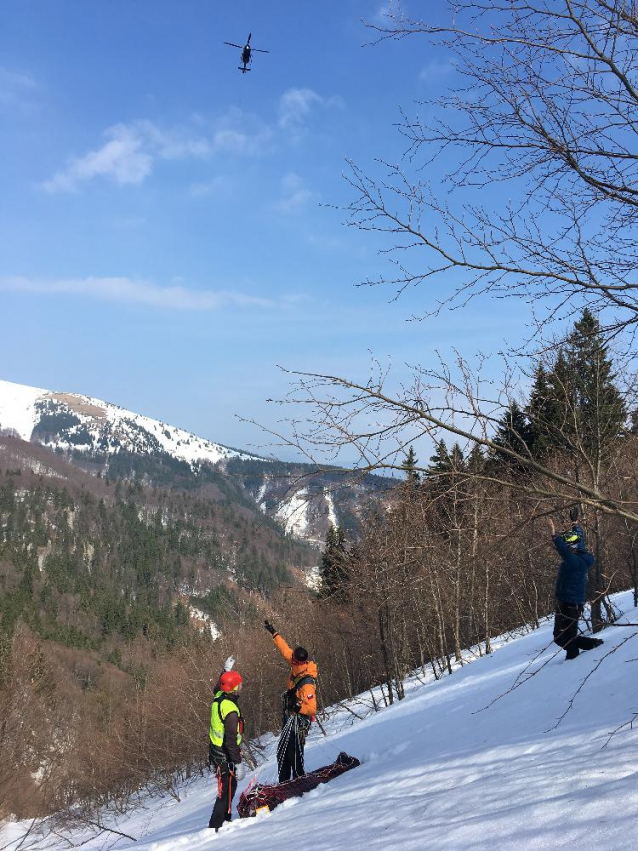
pixel 442 771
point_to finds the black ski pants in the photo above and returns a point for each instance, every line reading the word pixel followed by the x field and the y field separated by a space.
pixel 226 788
pixel 290 750
pixel 566 629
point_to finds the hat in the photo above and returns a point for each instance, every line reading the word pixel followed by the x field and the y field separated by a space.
pixel 574 538
pixel 230 681
pixel 300 654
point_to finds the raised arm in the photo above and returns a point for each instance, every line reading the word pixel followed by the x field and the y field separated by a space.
pixel 282 646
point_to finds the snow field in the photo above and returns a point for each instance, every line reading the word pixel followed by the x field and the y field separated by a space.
pixel 17 407
pixel 465 763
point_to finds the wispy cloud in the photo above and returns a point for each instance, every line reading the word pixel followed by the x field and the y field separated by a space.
pixel 296 106
pixel 381 14
pixel 295 194
pixel 241 133
pixel 132 150
pixel 129 291
pixel 435 71
pixel 128 156
pixel 18 89
pixel 387 12
pixel 215 186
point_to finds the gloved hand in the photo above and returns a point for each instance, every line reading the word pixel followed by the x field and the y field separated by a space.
pixel 240 771
pixel 292 704
pixel 229 664
pixel 271 629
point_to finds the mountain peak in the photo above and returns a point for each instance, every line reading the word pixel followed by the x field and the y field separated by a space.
pixel 72 421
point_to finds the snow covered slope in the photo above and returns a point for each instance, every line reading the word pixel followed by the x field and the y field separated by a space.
pixel 507 754
pixel 73 421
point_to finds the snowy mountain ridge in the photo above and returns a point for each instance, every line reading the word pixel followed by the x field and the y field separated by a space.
pixel 97 435
pixel 515 751
pixel 85 424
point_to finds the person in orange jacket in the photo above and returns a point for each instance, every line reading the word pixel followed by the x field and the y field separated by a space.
pixel 299 707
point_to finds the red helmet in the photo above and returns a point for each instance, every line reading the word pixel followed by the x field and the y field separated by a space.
pixel 230 680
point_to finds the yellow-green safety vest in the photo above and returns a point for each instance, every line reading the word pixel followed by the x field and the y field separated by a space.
pixel 222 706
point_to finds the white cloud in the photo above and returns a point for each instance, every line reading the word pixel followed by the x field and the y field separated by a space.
pixel 122 160
pixel 295 194
pixel 296 106
pixel 127 158
pixel 131 150
pixel 128 291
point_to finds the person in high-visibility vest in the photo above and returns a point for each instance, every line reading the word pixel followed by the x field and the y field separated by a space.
pixel 299 707
pixel 224 753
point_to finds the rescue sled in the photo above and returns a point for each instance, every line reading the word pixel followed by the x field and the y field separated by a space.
pixel 263 797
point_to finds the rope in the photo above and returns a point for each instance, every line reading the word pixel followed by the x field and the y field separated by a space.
pixel 282 745
pixel 292 727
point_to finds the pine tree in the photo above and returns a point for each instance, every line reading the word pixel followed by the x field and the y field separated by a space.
pixel 440 461
pixel 599 409
pixel 409 465
pixel 576 406
pixel 446 467
pixel 476 459
pixel 544 410
pixel 514 432
pixel 334 565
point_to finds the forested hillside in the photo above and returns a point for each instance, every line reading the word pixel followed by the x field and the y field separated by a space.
pixel 103 581
pixel 114 589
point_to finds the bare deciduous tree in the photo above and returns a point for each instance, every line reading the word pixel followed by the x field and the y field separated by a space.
pixel 547 112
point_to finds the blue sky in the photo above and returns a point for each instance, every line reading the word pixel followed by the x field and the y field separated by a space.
pixel 167 231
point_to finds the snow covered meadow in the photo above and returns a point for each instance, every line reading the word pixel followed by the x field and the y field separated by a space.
pixel 512 751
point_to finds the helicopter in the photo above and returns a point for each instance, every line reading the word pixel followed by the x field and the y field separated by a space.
pixel 246 53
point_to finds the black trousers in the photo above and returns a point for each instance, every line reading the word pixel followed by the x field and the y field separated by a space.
pixel 290 750
pixel 566 629
pixel 226 788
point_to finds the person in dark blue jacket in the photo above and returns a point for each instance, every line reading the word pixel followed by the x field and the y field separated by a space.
pixel 571 584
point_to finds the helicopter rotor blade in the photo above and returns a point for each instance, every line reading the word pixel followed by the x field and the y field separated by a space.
pixel 250 35
pixel 255 50
pixel 230 44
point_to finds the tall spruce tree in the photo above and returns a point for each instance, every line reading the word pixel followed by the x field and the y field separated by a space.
pixel 334 570
pixel 409 465
pixel 576 406
pixel 599 408
pixel 514 432
pixel 546 411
